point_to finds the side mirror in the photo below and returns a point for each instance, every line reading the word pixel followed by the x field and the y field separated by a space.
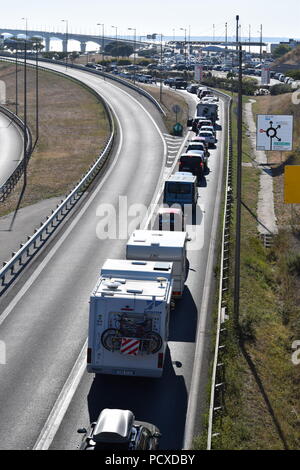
pixel 156 434
pixel 81 431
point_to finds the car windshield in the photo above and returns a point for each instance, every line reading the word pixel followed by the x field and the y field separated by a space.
pixel 196 147
pixel 206 134
pixel 191 162
pixel 179 188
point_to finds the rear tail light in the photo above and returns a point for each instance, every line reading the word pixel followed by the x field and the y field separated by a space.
pixel 160 360
pixel 89 355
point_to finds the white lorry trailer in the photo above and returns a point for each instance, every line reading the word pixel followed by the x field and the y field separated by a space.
pixel 129 318
pixel 159 245
pixel 208 110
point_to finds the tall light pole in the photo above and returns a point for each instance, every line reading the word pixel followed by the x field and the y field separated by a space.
pixel 260 49
pixel 116 28
pixel 184 29
pixel 134 46
pixel 238 192
pixel 67 33
pixel 161 56
pixel 102 24
pixel 25 105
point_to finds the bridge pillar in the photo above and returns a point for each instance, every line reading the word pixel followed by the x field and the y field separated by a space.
pixel 47 44
pixel 83 47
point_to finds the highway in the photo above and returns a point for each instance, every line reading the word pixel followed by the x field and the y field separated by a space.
pixel 45 315
pixel 11 140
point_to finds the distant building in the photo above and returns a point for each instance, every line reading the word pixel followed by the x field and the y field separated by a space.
pixel 291 43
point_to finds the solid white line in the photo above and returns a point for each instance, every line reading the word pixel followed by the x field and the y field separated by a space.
pixel 65 397
pixel 60 241
pixel 191 414
pixel 62 403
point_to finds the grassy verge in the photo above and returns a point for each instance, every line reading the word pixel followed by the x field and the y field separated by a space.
pixel 261 400
pixel 73 127
pixel 168 100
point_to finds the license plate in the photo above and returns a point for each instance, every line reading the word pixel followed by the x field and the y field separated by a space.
pixel 124 372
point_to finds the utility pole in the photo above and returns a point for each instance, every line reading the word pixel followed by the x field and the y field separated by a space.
pixel 67 38
pixel 260 50
pixel 237 32
pixel 226 35
pixel 17 80
pixel 134 47
pixel 25 105
pixel 161 55
pixel 238 193
pixel 249 36
pixel 184 29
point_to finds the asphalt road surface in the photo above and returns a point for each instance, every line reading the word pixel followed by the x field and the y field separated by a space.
pixel 45 315
pixel 11 147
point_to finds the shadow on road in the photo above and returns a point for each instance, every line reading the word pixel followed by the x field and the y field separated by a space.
pixel 183 321
pixel 161 401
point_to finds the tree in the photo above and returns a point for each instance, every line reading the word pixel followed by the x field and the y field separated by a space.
pixel 281 50
pixel 118 48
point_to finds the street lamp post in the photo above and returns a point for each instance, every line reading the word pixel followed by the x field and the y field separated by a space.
pixel 67 34
pixel 134 46
pixel 161 55
pixel 102 24
pixel 116 28
pixel 25 105
pixel 184 29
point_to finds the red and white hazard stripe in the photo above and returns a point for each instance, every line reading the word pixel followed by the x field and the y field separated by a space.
pixel 130 346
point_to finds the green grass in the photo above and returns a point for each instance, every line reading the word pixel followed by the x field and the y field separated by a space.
pixel 261 400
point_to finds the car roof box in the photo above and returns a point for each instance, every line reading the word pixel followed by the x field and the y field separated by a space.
pixel 113 426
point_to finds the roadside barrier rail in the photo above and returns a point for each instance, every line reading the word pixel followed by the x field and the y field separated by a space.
pixel 12 268
pixel 34 243
pixel 217 382
pixel 13 179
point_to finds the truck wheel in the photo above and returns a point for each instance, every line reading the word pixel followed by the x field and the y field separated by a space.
pixel 110 340
pixel 154 342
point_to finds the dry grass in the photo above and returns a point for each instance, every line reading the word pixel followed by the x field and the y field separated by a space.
pixel 169 99
pixel 262 385
pixel 72 126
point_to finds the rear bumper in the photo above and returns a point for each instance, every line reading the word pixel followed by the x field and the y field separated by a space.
pixel 125 372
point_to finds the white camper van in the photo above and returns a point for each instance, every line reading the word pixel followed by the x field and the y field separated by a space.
pixel 160 245
pixel 129 318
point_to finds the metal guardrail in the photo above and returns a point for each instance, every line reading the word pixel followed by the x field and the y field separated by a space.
pixel 28 250
pixel 13 179
pixel 217 382
pixel 136 88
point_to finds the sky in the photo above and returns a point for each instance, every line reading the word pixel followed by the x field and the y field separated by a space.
pixel 279 19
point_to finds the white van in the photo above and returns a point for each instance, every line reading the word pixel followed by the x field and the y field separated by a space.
pixel 129 318
pixel 160 245
pixel 181 188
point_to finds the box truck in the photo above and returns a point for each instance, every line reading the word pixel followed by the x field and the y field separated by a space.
pixel 129 318
pixel 208 110
pixel 160 245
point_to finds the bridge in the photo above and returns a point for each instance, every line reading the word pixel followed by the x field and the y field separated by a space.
pixel 102 41
pixel 83 39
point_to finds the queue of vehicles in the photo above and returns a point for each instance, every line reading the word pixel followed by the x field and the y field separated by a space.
pixel 131 304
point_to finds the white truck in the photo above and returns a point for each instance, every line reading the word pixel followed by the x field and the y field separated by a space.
pixel 160 245
pixel 129 318
pixel 208 110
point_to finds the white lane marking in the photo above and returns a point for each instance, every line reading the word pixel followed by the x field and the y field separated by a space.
pixel 65 397
pixel 191 414
pixel 60 241
pixel 62 403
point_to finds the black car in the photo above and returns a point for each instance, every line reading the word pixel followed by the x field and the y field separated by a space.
pixel 118 430
pixel 192 88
